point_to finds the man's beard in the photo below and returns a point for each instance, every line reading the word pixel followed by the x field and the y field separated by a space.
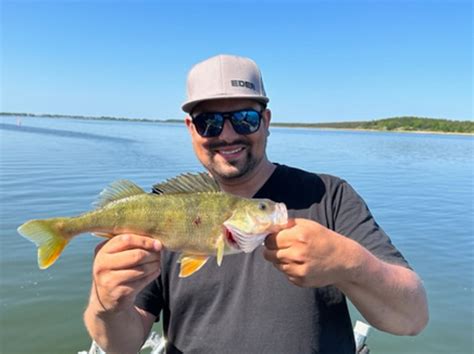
pixel 241 166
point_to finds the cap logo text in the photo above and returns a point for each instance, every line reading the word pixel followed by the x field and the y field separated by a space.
pixel 241 83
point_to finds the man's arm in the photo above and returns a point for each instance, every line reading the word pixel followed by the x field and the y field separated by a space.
pixel 123 266
pixel 390 297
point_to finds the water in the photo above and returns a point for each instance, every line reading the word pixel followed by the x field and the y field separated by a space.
pixel 419 187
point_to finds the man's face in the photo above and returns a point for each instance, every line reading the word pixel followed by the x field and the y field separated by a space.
pixel 230 155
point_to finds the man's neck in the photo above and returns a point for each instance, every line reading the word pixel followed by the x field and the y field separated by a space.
pixel 246 186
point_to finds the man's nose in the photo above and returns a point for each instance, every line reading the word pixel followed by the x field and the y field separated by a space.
pixel 228 133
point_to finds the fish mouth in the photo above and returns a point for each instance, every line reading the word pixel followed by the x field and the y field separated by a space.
pixel 280 217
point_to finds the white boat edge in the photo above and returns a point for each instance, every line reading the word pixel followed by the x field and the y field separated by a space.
pixel 157 343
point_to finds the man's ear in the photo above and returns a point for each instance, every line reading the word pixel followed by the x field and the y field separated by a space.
pixel 188 121
pixel 267 117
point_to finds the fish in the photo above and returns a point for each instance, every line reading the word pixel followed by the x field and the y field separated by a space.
pixel 188 214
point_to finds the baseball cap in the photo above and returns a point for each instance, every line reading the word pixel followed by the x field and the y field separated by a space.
pixel 224 76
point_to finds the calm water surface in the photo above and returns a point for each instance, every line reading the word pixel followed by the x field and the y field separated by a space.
pixel 419 187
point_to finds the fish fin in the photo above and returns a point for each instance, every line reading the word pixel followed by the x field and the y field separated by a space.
pixel 118 190
pixel 187 183
pixel 103 234
pixel 220 250
pixel 48 237
pixel 191 264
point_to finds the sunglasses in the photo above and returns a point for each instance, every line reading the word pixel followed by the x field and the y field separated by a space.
pixel 244 122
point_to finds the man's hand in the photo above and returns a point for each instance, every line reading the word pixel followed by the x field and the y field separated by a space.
pixel 123 266
pixel 308 253
pixel 389 296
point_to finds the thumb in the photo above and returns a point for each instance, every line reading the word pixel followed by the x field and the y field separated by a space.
pixel 291 222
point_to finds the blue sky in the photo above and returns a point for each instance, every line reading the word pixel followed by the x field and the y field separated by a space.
pixel 321 60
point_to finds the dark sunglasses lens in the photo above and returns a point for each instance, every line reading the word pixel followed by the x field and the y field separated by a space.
pixel 208 124
pixel 246 122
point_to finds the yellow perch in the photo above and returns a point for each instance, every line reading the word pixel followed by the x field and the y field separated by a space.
pixel 187 214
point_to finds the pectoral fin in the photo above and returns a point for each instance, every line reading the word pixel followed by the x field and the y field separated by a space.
pixel 220 250
pixel 191 264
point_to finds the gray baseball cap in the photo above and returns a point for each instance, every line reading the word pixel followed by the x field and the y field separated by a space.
pixel 224 76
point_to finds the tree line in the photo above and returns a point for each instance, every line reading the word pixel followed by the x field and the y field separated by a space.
pixel 396 124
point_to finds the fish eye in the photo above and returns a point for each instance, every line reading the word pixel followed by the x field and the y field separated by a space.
pixel 262 206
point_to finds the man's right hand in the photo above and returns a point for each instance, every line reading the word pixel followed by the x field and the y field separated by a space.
pixel 123 266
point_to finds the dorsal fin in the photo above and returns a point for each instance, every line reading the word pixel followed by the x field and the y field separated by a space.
pixel 117 190
pixel 187 183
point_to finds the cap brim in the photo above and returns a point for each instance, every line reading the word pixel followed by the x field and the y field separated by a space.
pixel 189 105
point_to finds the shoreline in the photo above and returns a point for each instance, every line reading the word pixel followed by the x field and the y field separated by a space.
pixel 378 130
pixel 273 125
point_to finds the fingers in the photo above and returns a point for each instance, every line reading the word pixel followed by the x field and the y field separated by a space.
pixel 139 276
pixel 277 245
pixel 283 256
pixel 130 241
pixel 294 270
pixel 111 293
pixel 142 279
pixel 289 252
pixel 126 252
pixel 282 239
pixel 308 253
pixel 278 241
pixel 133 258
pixel 123 266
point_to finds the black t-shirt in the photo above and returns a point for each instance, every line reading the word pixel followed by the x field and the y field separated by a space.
pixel 247 305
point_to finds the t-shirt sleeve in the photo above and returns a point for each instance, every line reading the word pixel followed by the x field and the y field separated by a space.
pixel 150 298
pixel 353 219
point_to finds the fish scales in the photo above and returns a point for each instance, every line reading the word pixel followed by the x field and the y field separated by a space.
pixel 179 221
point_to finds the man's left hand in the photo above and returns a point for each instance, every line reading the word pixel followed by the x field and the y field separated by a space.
pixel 308 253
pixel 390 297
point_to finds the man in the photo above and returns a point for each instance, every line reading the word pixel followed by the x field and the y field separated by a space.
pixel 289 296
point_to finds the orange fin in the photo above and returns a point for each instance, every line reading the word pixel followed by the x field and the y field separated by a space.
pixel 49 238
pixel 191 264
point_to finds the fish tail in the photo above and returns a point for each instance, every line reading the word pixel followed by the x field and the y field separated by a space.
pixel 48 235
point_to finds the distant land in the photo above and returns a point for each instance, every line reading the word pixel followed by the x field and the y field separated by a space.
pixel 394 124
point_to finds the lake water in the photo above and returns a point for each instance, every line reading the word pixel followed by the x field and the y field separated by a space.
pixel 419 187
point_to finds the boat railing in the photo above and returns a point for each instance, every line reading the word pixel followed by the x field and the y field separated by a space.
pixel 157 343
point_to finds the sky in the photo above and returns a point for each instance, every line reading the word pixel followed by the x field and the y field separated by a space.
pixel 322 61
